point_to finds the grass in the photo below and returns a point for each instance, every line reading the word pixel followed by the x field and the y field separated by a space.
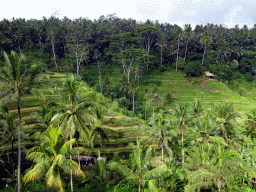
pixel 208 91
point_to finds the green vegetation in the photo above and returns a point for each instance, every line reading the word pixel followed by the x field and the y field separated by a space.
pixel 141 105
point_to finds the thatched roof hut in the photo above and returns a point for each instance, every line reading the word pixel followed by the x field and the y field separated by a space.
pixel 209 75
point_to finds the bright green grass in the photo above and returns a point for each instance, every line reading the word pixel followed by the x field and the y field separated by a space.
pixel 209 92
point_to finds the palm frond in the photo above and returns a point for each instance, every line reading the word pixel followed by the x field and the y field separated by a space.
pixel 152 186
pixel 156 172
pixel 123 169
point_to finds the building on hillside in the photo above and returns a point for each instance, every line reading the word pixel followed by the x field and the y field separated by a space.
pixel 209 75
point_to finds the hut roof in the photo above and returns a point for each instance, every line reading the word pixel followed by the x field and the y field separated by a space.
pixel 208 74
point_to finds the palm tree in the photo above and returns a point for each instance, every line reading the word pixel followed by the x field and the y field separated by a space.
pixel 99 175
pixel 197 108
pixel 160 132
pixel 181 113
pixel 107 84
pixel 161 46
pixel 239 51
pixel 205 40
pixel 188 34
pixel 124 87
pixel 8 130
pixel 212 165
pixel 73 115
pixel 139 171
pixel 97 56
pixel 16 78
pixel 132 89
pixel 98 132
pixel 51 159
pixel 179 38
pixel 250 124
pixel 224 115
pixel 153 98
pixel 205 126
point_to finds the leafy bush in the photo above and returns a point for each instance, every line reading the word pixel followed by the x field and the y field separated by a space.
pixel 248 76
pixel 168 97
pixel 158 83
pixel 194 69
pixel 124 102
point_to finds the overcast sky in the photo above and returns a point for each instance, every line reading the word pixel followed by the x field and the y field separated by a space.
pixel 180 12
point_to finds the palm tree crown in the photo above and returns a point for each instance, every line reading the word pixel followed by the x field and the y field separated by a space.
pixel 51 159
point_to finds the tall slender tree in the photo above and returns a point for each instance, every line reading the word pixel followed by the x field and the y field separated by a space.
pixel 181 112
pixel 73 116
pixel 188 34
pixel 16 77
pixel 205 40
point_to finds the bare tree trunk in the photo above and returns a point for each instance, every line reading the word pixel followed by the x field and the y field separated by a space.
pixel 77 66
pixel 12 158
pixel 219 185
pixel 203 55
pixel 186 50
pixel 145 111
pixel 133 101
pixel 162 154
pixel 153 111
pixel 40 44
pixel 161 57
pixel 71 176
pixel 8 158
pixel 19 141
pixel 182 145
pixel 100 78
pixel 53 52
pixel 128 75
pixel 177 57
pixel 99 152
pixel 147 60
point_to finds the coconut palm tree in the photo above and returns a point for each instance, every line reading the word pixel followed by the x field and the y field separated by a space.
pixel 51 159
pixel 179 38
pixel 212 165
pixel 132 89
pixel 205 40
pixel 16 78
pixel 99 133
pixel 73 116
pixel 124 87
pixel 161 44
pixel 224 115
pixel 153 98
pixel 197 108
pixel 206 126
pixel 161 133
pixel 188 34
pixel 139 171
pixel 97 55
pixel 8 130
pixel 181 112
pixel 250 124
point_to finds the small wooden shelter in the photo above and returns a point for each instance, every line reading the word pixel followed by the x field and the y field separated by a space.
pixel 209 75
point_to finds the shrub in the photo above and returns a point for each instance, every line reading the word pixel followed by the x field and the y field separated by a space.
pixel 158 83
pixel 194 69
pixel 168 97
pixel 248 76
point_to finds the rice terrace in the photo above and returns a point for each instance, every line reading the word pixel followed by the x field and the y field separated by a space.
pixel 119 105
